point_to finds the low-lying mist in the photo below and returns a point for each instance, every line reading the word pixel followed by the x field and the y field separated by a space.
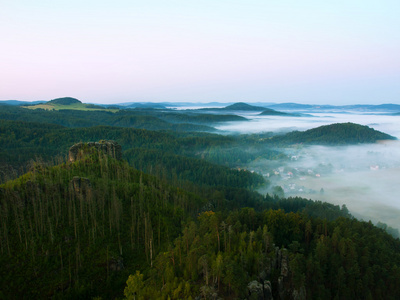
pixel 363 177
pixel 382 122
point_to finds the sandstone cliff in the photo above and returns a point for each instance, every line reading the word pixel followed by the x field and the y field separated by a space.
pixel 110 148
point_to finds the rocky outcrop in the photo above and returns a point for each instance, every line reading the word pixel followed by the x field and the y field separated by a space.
pixel 259 291
pixel 80 150
pixel 267 286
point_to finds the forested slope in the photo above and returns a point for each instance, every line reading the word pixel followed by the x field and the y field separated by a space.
pixel 79 230
pixel 178 218
pixel 73 228
pixel 260 255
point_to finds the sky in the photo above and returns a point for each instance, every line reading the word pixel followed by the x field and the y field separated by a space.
pixel 313 52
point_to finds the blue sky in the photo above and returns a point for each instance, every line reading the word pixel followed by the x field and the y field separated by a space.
pixel 341 52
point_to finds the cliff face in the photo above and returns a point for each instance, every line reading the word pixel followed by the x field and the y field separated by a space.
pixel 110 148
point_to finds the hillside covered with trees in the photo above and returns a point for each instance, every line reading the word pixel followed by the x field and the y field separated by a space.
pixel 82 229
pixel 178 217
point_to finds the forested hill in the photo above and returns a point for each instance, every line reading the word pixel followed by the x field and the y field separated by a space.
pixel 244 107
pixel 65 101
pixel 99 228
pixel 79 229
pixel 334 134
pixel 240 106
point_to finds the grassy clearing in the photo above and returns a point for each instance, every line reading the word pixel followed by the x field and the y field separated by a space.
pixel 77 106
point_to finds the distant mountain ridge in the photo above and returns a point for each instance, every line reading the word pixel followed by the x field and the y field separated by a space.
pixel 243 107
pixel 253 106
pixel 239 106
pixel 272 112
pixel 316 107
pixel 20 103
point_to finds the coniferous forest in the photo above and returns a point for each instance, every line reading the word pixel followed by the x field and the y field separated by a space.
pixel 163 206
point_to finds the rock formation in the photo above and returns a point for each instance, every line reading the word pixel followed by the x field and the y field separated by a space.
pixel 80 150
pixel 259 291
pixel 283 287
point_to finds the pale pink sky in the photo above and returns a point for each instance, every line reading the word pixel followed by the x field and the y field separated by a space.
pixel 273 51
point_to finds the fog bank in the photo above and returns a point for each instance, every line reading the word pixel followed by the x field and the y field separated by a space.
pixel 364 177
pixel 382 122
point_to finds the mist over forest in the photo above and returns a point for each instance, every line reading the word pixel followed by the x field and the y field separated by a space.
pixel 240 201
pixel 198 150
pixel 363 177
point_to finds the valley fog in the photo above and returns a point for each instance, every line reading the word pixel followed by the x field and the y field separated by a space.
pixel 363 177
pixel 383 122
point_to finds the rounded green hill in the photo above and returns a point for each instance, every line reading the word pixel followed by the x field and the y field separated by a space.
pixel 64 101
